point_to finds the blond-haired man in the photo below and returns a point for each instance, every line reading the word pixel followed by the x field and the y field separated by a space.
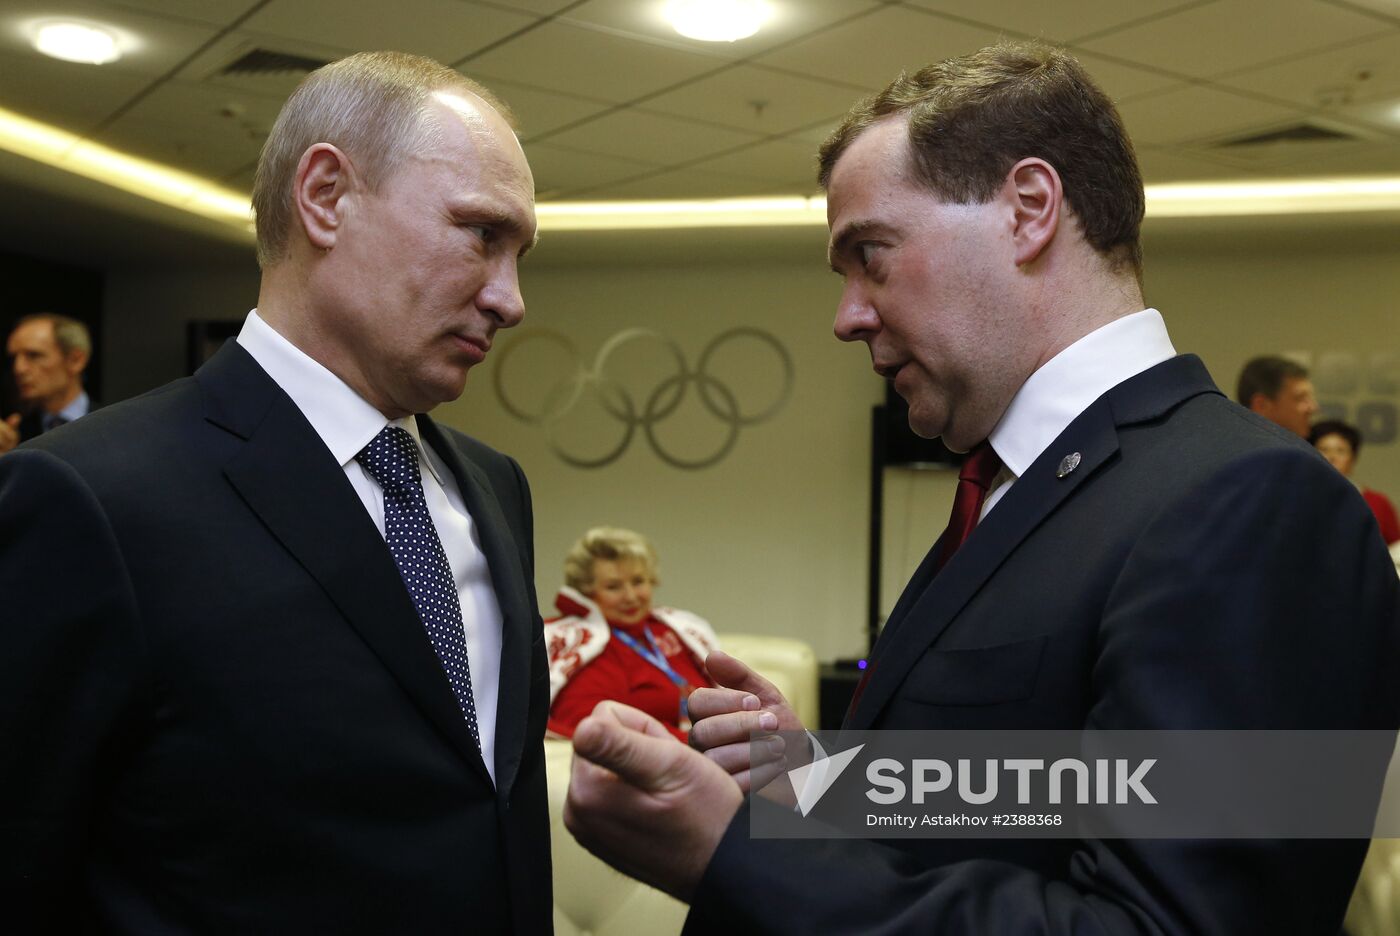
pixel 302 689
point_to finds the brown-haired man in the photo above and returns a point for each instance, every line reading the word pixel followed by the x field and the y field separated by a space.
pixel 1117 574
pixel 301 687
pixel 48 354
pixel 1280 390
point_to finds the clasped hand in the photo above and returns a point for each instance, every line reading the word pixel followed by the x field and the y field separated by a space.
pixel 655 809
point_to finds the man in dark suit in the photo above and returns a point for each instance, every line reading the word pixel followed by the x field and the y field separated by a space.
pixel 301 686
pixel 1128 550
pixel 48 354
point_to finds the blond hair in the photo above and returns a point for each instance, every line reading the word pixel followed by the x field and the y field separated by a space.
pixel 373 107
pixel 611 544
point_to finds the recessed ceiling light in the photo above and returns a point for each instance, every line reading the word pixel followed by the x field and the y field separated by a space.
pixel 717 20
pixel 77 42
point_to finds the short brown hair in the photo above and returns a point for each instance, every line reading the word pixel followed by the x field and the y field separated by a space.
pixel 974 117
pixel 1267 375
pixel 372 106
pixel 611 544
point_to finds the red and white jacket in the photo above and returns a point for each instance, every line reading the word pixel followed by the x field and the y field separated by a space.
pixel 578 637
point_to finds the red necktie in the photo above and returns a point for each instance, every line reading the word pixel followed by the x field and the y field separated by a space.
pixel 978 471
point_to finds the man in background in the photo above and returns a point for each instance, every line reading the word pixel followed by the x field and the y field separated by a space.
pixel 1280 390
pixel 48 354
pixel 1128 550
pixel 301 686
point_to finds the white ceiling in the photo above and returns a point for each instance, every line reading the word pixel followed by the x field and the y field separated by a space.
pixel 612 104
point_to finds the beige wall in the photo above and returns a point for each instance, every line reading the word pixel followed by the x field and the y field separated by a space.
pixel 1323 292
pixel 773 538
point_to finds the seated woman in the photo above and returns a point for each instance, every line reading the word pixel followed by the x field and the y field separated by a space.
pixel 611 643
pixel 1340 444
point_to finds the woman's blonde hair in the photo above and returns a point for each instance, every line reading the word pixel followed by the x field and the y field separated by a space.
pixel 612 544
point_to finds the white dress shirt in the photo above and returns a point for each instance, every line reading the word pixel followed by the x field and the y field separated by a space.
pixel 346 423
pixel 1066 385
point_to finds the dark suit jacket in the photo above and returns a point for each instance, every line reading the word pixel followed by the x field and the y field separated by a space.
pixel 31 423
pixel 1200 569
pixel 219 712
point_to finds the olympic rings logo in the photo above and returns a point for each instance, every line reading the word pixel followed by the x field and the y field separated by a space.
pixel 563 398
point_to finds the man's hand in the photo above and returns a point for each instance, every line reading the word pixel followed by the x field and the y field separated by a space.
pixel 9 432
pixel 724 719
pixel 644 803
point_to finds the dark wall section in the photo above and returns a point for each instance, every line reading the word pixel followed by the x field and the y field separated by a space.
pixel 149 312
pixel 30 285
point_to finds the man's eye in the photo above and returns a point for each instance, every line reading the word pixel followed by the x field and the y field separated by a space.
pixel 481 231
pixel 867 252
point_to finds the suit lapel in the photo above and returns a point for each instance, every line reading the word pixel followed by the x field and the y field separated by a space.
pixel 1034 496
pixel 918 582
pixel 930 603
pixel 288 478
pixel 503 559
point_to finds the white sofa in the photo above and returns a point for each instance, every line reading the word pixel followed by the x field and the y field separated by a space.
pixel 1375 906
pixel 591 899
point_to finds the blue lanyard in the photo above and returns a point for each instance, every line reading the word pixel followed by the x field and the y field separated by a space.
pixel 656 658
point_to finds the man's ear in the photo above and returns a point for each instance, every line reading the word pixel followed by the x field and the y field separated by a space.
pixel 323 178
pixel 1261 403
pixel 76 361
pixel 1034 188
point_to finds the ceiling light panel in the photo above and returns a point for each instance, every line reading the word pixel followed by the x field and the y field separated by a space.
pixel 149 45
pixel 788 20
pixel 73 41
pixel 717 20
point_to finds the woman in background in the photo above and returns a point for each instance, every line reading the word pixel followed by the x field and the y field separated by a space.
pixel 610 643
pixel 1340 444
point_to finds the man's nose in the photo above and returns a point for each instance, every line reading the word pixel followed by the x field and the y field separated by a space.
pixel 501 297
pixel 856 319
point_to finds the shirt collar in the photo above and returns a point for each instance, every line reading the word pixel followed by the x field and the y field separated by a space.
pixel 344 420
pixel 78 407
pixel 1067 384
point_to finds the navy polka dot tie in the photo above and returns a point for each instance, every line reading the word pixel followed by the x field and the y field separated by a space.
pixel 391 458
